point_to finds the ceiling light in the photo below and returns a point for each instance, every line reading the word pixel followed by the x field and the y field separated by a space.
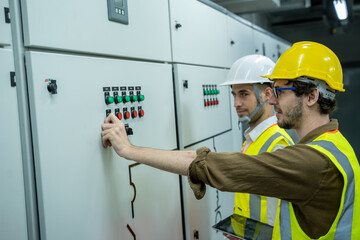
pixel 341 9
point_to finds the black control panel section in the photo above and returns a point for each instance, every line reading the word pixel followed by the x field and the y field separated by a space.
pixel 126 102
pixel 210 93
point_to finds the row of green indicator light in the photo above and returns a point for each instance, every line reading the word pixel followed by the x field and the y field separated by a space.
pixel 211 92
pixel 125 99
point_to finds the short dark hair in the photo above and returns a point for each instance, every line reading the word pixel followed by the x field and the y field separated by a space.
pixel 326 105
pixel 262 86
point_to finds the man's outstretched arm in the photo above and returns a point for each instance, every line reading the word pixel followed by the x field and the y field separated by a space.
pixel 114 134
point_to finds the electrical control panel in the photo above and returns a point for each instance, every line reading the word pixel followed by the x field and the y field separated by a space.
pixel 5 30
pixel 118 11
pixel 82 27
pixel 202 214
pixel 13 223
pixel 79 181
pixel 203 105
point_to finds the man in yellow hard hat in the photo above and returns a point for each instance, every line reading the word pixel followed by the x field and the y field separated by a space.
pixel 251 95
pixel 317 179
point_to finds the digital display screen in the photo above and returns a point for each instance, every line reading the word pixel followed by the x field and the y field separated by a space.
pixel 244 228
pixel 119 3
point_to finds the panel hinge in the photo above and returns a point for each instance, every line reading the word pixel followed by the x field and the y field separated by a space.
pixel 7 14
pixel 12 79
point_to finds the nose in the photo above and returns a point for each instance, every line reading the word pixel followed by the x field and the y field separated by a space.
pixel 237 102
pixel 273 100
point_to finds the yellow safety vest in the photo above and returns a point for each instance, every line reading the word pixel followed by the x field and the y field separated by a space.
pixel 345 226
pixel 252 205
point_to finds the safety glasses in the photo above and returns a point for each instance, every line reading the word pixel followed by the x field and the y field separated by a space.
pixel 279 91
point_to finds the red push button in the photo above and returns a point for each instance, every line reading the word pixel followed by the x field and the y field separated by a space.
pixel 119 115
pixel 134 114
pixel 126 115
pixel 141 113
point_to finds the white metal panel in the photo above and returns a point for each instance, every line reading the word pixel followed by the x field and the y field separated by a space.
pixel 5 30
pixel 12 198
pixel 202 214
pixel 259 43
pixel 269 46
pixel 196 121
pixel 85 191
pixel 84 26
pixel 240 37
pixel 282 48
pixel 201 39
pixel 272 48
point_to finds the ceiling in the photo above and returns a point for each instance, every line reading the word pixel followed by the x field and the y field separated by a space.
pixel 300 20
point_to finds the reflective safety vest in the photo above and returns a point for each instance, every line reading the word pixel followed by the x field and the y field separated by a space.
pixel 346 225
pixel 251 205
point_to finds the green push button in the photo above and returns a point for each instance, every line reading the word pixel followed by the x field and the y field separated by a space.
pixel 142 98
pixel 119 99
pixel 135 98
pixel 127 98
pixel 109 100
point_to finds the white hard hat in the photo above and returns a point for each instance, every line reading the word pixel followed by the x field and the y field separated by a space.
pixel 249 69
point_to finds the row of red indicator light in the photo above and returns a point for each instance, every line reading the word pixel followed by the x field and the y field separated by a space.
pixel 127 114
pixel 210 102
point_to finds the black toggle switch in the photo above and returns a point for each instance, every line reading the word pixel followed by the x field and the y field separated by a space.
pixel 52 87
pixel 128 130
pixel 196 234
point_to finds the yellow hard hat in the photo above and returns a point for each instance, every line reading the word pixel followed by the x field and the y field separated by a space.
pixel 309 59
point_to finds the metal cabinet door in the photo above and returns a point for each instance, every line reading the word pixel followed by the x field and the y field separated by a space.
pixel 240 39
pixel 198 33
pixel 201 115
pixel 5 30
pixel 84 190
pixel 12 197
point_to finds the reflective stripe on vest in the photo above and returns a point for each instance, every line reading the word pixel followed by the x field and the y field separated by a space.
pixel 342 226
pixel 267 144
pixel 345 221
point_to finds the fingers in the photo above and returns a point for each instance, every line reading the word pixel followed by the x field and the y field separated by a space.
pixel 111 132
pixel 106 139
pixel 111 118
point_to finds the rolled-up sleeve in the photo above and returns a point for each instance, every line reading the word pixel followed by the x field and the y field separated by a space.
pixel 194 177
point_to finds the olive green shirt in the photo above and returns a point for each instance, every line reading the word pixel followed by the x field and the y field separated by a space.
pixel 298 174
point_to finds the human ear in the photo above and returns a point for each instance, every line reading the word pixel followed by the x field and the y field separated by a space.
pixel 313 97
pixel 268 93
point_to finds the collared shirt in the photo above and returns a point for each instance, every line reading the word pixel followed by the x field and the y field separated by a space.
pixel 252 135
pixel 298 174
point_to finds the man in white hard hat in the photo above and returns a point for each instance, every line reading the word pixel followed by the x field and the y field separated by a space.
pixel 251 95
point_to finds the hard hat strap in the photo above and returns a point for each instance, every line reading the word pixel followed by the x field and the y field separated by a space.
pixel 320 85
